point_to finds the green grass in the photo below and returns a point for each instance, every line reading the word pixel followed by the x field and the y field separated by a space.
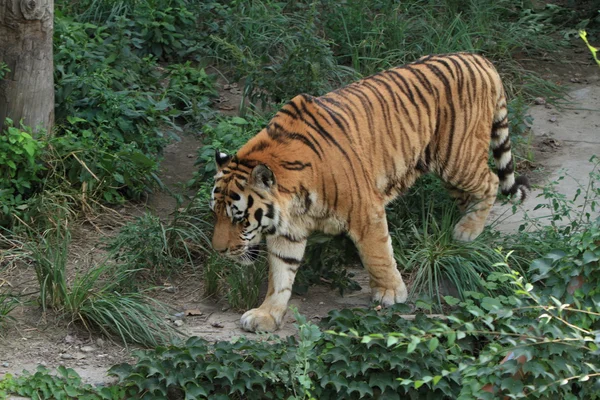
pixel 95 298
pixel 440 265
pixel 161 248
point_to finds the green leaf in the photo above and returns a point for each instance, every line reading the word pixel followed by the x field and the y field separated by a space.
pixel 451 338
pixel 392 340
pixel 433 344
pixel 194 391
pixel 414 341
pixel 512 385
pixel 589 257
pixel 451 301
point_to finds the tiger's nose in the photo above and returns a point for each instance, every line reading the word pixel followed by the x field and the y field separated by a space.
pixel 219 247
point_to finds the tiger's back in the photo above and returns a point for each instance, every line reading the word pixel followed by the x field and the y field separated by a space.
pixel 333 163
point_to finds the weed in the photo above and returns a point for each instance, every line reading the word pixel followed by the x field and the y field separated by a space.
pixel 144 245
pixel 158 248
pixel 212 275
pixel 7 303
pixel 3 70
pixel 437 263
pixel 241 284
pixel 93 298
pixel 244 283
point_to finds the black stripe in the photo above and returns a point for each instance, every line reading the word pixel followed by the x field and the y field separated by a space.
pixel 234 196
pixel 292 239
pixel 270 211
pixel 287 260
pixel 279 134
pixel 288 113
pixel 502 148
pixel 295 165
pixel 239 185
pixel 339 119
pixel 450 103
pixel 258 215
pixel 259 146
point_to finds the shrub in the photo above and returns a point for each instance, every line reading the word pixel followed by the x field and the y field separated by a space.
pixel 67 384
pixel 226 134
pixel 20 169
pixel 158 248
pixel 114 112
pixel 280 55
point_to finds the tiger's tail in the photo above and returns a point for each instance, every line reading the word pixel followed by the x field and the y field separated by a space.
pixel 517 188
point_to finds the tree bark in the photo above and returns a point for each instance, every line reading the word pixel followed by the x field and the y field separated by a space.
pixel 27 91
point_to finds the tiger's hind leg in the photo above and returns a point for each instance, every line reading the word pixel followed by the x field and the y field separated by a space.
pixel 462 198
pixel 374 245
pixel 475 200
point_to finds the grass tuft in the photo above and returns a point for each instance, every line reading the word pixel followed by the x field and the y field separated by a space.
pixel 95 298
pixel 439 265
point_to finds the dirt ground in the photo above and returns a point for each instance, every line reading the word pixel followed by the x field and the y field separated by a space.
pixel 562 138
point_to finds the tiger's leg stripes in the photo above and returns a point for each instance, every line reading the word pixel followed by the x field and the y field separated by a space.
pixel 285 257
pixel 481 199
pixel 517 188
pixel 463 199
pixel 374 245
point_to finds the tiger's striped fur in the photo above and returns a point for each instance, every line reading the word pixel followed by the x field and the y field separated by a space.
pixel 333 162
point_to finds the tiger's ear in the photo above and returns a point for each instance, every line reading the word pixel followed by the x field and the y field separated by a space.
pixel 222 159
pixel 262 177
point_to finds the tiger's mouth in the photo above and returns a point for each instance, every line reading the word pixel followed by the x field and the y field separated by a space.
pixel 248 255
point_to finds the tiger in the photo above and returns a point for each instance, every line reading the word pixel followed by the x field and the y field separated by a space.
pixel 332 164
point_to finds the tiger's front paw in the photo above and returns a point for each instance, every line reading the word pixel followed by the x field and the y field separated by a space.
pixel 261 320
pixel 389 296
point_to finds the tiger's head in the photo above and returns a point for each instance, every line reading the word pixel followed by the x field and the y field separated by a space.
pixel 244 202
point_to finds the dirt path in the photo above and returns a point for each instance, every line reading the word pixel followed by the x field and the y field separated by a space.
pixel 563 139
pixel 563 143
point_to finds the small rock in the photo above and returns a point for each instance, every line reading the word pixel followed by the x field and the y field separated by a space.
pixel 100 342
pixel 539 101
pixel 190 156
pixel 321 303
pixel 574 80
pixel 87 349
pixel 5 364
pixel 70 339
pixel 80 356
pixel 216 325
pixel 170 289
pixel 178 322
pixel 43 363
pixel 193 313
pixel 66 356
pixel 552 119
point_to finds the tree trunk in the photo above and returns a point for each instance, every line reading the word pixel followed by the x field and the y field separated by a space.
pixel 27 90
